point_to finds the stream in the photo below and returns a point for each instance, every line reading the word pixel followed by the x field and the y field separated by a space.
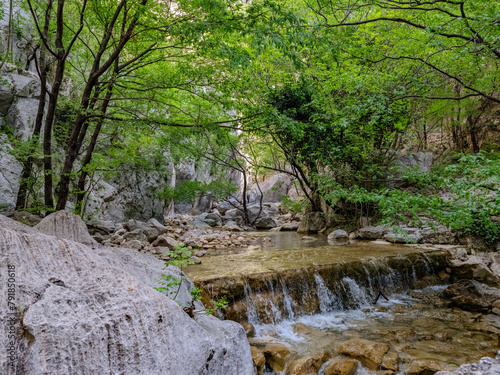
pixel 313 297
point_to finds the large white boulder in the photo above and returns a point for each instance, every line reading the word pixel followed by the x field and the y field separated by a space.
pixel 94 311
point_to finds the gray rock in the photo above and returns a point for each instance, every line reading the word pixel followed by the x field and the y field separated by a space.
pixel 96 312
pixel 158 226
pixel 407 235
pixel 373 232
pixel 10 172
pixel 265 223
pixel 272 189
pixel 63 224
pixel 165 241
pixel 292 226
pixel 471 295
pixel 26 218
pixel 312 223
pixel 338 237
pixel 106 226
pixel 474 268
pixel 137 234
pixel 206 219
pixel 420 160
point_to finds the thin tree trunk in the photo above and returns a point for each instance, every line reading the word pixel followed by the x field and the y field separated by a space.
pixel 25 183
pixel 88 156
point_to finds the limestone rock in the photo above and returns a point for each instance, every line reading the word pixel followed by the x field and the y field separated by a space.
pixel 338 237
pixel 474 268
pixel 373 232
pixel 158 226
pixel 370 353
pixel 10 172
pixel 276 354
pixel 341 366
pixel 312 222
pixel 425 367
pixel 249 329
pixel 471 295
pixel 26 218
pixel 63 224
pixel 206 220
pixel 265 223
pixel 165 241
pixel 96 312
pixel 309 365
pixel 420 160
pixel 259 360
pixel 137 234
pixel 407 235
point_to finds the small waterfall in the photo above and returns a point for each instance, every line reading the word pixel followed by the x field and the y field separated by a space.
pixel 272 297
pixel 328 301
pixel 356 296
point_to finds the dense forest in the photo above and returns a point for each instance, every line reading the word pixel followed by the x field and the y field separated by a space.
pixel 330 92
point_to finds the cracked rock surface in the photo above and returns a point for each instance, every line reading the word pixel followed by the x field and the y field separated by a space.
pixel 94 311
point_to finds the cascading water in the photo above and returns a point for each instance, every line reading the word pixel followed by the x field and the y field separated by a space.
pixel 312 300
pixel 273 297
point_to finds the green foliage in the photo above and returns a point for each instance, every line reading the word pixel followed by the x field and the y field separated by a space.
pixel 464 196
pixel 188 191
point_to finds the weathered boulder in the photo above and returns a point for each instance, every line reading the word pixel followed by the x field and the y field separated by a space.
pixel 404 235
pixel 259 360
pixel 137 234
pixel 308 365
pixel 474 268
pixel 312 222
pixel 341 366
pixel 292 226
pixel 265 223
pixel 95 312
pixel 26 218
pixel 471 295
pixel 158 226
pixel 370 353
pixel 206 220
pixel 373 232
pixel 338 237
pixel 165 241
pixel 63 224
pixel 425 367
pixel 276 354
pixel 420 160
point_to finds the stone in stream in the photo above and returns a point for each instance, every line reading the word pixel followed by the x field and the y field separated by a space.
pixel 249 329
pixel 94 311
pixel 259 360
pixel 425 367
pixel 474 268
pixel 472 295
pixel 370 353
pixel 341 366
pixel 373 232
pixel 276 354
pixel 338 237
pixel 308 365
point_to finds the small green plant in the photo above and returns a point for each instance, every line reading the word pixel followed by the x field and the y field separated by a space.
pixel 180 258
pixel 219 304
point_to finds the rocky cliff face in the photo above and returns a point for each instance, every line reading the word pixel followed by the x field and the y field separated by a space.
pixel 84 311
